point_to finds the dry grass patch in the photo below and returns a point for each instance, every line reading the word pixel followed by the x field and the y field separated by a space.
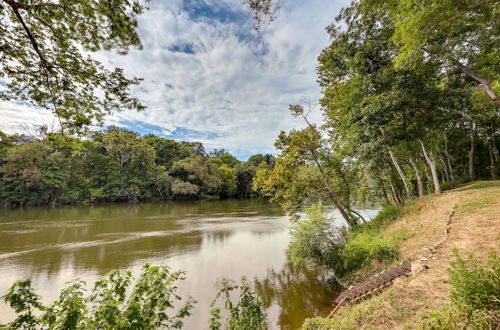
pixel 474 229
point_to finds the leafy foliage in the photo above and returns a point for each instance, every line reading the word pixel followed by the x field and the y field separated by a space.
pixel 111 305
pixel 247 313
pixel 44 63
pixel 115 165
pixel 474 295
pixel 475 285
pixel 316 239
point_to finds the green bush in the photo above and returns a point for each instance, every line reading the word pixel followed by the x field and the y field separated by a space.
pixel 364 243
pixel 474 295
pixel 247 313
pixel 109 306
pixel 366 247
pixel 475 285
pixel 315 239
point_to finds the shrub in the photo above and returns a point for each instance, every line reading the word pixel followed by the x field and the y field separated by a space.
pixel 365 244
pixel 475 285
pixel 474 295
pixel 108 307
pixel 315 239
pixel 365 247
pixel 247 313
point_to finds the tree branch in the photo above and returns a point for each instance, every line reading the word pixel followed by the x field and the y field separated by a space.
pixel 17 5
pixel 32 39
pixel 483 81
pixel 484 3
pixel 44 62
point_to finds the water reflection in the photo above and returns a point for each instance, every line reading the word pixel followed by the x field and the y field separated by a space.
pixel 208 239
pixel 294 290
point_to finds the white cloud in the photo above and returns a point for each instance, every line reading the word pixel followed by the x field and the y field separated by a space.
pixel 21 118
pixel 237 85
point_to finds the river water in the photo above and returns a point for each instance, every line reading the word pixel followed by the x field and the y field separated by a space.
pixel 210 240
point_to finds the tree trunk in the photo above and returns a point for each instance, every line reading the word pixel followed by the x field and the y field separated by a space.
pixel 394 193
pixel 445 168
pixel 485 84
pixel 426 170
pixel 448 162
pixel 409 193
pixel 495 150
pixel 334 198
pixel 493 167
pixel 430 161
pixel 384 193
pixel 472 152
pixel 358 214
pixel 420 184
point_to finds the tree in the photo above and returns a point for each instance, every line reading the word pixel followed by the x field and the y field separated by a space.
pixel 167 150
pixel 55 176
pixel 200 172
pixel 245 172
pixel 43 59
pixel 257 159
pixel 264 11
pixel 227 176
pixel 133 166
pixel 186 189
pixel 462 34
pixel 224 157
pixel 286 182
pixel 22 173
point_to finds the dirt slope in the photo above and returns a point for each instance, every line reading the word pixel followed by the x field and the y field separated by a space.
pixel 467 218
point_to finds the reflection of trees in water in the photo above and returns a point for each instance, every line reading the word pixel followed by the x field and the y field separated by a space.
pixel 299 291
pixel 169 209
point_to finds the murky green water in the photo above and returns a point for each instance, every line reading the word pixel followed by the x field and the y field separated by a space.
pixel 208 239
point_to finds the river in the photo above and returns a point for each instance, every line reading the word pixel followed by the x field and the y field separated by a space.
pixel 209 239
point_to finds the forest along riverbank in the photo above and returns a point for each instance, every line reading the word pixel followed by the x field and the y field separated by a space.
pixel 208 239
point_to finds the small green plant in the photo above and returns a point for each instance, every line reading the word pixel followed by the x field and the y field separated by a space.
pixel 474 295
pixel 475 286
pixel 107 307
pixel 247 313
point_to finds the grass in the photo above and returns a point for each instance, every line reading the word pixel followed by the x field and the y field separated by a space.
pixel 366 250
pixel 425 297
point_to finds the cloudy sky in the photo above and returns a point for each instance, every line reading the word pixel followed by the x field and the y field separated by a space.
pixel 209 77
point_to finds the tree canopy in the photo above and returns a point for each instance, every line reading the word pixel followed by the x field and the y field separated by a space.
pixel 116 164
pixel 45 56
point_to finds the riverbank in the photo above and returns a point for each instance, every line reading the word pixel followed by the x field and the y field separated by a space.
pixel 465 218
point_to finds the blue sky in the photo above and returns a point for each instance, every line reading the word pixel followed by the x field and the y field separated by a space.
pixel 209 77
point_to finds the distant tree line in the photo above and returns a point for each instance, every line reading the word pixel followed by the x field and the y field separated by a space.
pixel 117 164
